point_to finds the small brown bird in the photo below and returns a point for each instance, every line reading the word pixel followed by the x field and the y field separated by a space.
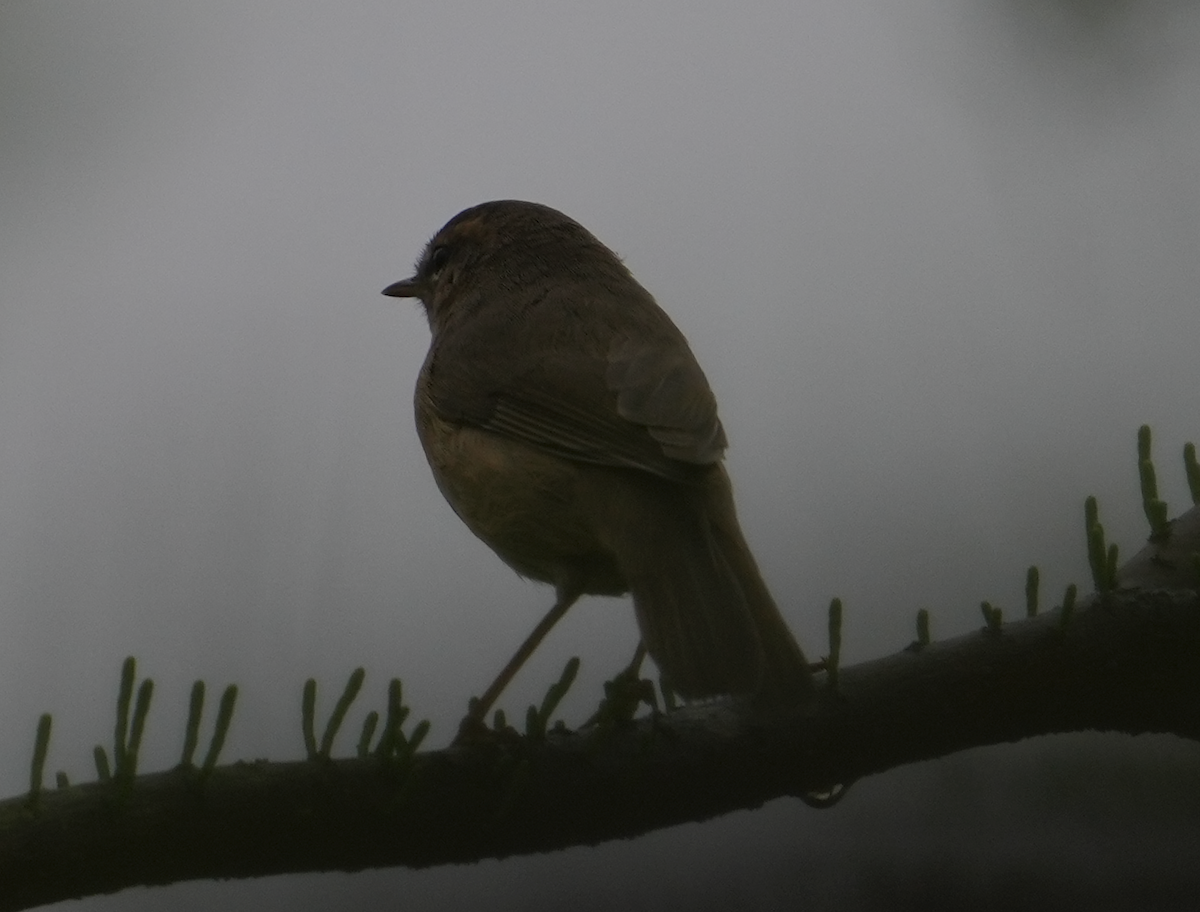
pixel 570 427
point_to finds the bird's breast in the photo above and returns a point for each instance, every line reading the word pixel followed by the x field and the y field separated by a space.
pixel 521 501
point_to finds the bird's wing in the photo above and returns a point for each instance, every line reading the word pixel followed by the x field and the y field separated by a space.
pixel 601 398
pixel 661 388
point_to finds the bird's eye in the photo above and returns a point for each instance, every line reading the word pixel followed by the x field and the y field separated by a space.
pixel 438 260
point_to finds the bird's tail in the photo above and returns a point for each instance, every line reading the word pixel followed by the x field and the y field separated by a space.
pixel 705 613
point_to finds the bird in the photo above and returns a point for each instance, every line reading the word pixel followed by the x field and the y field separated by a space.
pixel 568 424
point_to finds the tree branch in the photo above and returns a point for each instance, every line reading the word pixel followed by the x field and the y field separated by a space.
pixel 1126 660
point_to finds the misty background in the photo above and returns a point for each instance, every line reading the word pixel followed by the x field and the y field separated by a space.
pixel 938 259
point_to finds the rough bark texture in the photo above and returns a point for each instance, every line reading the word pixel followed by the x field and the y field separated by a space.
pixel 1127 661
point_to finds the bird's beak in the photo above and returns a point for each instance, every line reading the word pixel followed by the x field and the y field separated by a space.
pixel 405 288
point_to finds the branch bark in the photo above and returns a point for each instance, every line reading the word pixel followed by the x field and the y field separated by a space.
pixel 1126 661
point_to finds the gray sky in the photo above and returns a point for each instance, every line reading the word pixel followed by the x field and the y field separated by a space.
pixel 939 261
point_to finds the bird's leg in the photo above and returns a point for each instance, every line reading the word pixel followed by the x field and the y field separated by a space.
pixel 635 664
pixel 481 706
pixel 624 694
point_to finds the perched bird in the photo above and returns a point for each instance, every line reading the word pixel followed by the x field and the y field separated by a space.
pixel 571 428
